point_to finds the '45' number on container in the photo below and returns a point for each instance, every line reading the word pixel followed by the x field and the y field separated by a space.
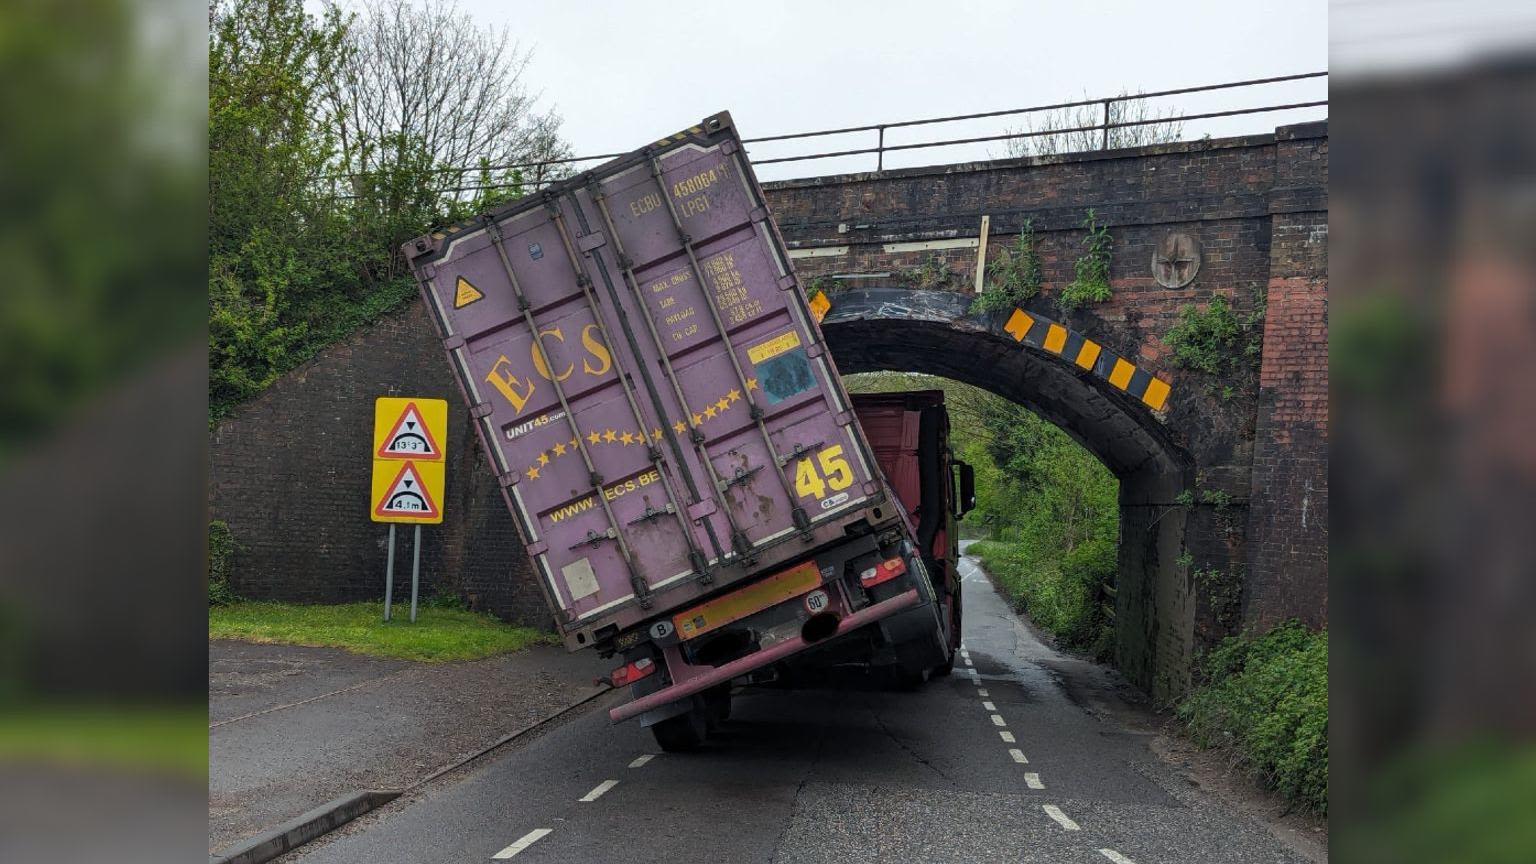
pixel 834 474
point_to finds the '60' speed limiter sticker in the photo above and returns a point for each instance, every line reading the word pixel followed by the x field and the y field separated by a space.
pixel 817 601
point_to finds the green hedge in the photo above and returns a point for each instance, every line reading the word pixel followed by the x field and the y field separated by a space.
pixel 1060 591
pixel 1267 698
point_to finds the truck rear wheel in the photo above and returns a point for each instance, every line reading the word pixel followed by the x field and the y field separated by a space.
pixel 907 679
pixel 955 621
pixel 717 704
pixel 685 732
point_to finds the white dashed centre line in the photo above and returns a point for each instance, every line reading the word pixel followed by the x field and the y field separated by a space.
pixel 1115 856
pixel 1054 812
pixel 641 760
pixel 1032 780
pixel 1007 736
pixel 523 842
pixel 598 792
pixel 982 692
pixel 1018 756
pixel 988 705
pixel 997 720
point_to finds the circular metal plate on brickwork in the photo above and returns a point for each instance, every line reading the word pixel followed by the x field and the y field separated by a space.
pixel 1176 260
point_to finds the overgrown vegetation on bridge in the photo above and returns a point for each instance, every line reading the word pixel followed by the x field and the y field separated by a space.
pixel 1219 342
pixel 317 174
pixel 1266 698
pixel 1091 271
pixel 1046 509
pixel 1014 275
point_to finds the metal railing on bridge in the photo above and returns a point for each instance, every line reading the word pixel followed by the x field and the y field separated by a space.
pixel 1104 127
pixel 548 171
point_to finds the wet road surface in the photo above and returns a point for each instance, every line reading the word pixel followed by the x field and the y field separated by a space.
pixel 993 763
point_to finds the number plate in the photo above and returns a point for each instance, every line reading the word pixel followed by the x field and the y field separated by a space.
pixel 754 598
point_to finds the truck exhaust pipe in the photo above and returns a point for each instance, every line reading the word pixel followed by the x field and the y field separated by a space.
pixel 819 627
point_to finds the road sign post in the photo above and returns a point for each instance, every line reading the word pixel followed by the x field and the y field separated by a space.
pixel 410 438
pixel 415 569
pixel 389 573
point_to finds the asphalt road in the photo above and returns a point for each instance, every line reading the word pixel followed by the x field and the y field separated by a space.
pixel 994 763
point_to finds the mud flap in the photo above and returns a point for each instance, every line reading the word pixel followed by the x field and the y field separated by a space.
pixel 915 637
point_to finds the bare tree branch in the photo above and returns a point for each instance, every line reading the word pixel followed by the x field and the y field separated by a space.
pixel 424 77
pixel 1125 108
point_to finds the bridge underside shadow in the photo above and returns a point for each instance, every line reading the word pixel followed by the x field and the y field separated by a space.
pixel 932 332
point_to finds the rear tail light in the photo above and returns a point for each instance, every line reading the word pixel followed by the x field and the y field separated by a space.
pixel 885 571
pixel 633 672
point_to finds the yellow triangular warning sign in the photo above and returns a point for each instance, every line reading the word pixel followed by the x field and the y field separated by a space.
pixel 820 305
pixel 410 437
pixel 407 496
pixel 465 293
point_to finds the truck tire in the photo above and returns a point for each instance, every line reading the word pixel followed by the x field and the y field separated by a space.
pixel 717 703
pixel 956 620
pixel 907 679
pixel 685 732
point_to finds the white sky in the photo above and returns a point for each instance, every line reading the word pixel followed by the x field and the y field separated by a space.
pixel 622 74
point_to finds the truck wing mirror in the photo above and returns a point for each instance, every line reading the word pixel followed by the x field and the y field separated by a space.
pixel 966 500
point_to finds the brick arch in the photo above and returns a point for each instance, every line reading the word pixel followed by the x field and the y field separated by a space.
pixel 1049 370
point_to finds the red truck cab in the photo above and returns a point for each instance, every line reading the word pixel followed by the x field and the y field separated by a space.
pixel 909 433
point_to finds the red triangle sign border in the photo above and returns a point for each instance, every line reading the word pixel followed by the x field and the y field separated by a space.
pixel 434 454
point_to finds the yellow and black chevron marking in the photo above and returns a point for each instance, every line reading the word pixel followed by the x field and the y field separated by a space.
pixel 1090 355
pixel 625 437
pixel 681 136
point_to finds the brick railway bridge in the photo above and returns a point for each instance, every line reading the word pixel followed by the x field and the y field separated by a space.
pixel 1242 218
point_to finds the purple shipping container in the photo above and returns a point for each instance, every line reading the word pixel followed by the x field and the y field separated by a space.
pixel 677 426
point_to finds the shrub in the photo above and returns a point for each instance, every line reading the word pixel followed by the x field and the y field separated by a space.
pixel 1013 277
pixel 1267 698
pixel 1218 342
pixel 221 557
pixel 935 274
pixel 1092 269
pixel 1061 592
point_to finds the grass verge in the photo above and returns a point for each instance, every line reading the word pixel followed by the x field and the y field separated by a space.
pixel 1266 698
pixel 439 635
pixel 1059 591
pixel 151 739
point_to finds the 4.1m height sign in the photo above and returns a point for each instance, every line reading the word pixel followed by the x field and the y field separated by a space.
pixel 410 446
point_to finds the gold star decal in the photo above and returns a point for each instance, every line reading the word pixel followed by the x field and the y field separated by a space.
pixel 559 449
pixel 627 438
pixel 594 437
pixel 723 404
pixel 575 443
pixel 679 427
pixel 710 412
pixel 751 384
pixel 655 434
pixel 543 459
pixel 734 395
pixel 697 419
pixel 610 437
pixel 533 473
